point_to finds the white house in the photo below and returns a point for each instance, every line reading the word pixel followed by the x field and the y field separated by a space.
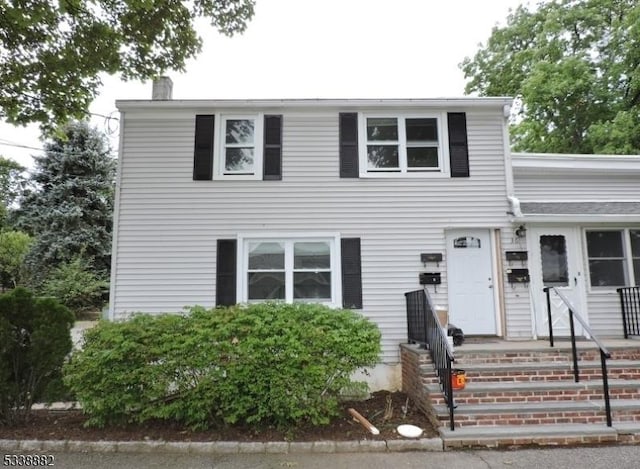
pixel 347 202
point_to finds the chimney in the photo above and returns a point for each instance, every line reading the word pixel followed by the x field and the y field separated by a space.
pixel 162 89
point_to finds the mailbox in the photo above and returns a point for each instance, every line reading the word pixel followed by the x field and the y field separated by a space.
pixel 430 278
pixel 431 257
pixel 516 255
pixel 518 275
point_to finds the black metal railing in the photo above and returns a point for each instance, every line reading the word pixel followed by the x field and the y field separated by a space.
pixel 604 353
pixel 424 329
pixel 630 305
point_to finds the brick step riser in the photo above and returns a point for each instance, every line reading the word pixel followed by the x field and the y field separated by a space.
pixel 524 376
pixel 539 418
pixel 462 397
pixel 501 359
pixel 540 375
pixel 533 380
pixel 539 356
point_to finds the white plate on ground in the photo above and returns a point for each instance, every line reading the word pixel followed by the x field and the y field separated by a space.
pixel 409 431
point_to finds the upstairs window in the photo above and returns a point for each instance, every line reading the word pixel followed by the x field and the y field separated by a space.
pixel 237 147
pixel 401 144
pixel 240 147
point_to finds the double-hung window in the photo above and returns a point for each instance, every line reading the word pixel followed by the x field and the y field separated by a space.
pixel 266 271
pixel 614 257
pixel 240 147
pixel 401 144
pixel 290 270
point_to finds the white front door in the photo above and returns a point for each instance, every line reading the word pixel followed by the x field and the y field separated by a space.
pixel 555 262
pixel 470 281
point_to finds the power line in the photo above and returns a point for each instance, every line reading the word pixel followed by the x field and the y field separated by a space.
pixel 109 117
pixel 18 145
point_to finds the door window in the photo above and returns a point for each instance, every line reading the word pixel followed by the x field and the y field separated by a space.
pixel 466 242
pixel 553 252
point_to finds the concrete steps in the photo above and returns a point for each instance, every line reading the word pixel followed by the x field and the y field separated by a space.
pixel 516 435
pixel 526 396
pixel 546 371
pixel 537 413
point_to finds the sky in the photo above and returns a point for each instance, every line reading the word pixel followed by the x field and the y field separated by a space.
pixel 314 49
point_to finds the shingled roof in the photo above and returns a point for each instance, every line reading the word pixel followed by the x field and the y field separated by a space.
pixel 580 208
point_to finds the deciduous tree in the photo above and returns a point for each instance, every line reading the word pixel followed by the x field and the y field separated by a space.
pixel 575 66
pixel 11 182
pixel 14 247
pixel 53 52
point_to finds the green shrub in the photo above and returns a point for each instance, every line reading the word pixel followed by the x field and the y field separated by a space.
pixel 14 246
pixel 34 341
pixel 272 363
pixel 76 285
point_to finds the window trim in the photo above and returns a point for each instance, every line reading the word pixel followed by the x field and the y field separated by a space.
pixel 442 170
pixel 289 238
pixel 632 278
pixel 219 154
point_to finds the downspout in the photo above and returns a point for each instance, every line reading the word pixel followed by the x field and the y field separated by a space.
pixel 502 306
pixel 514 206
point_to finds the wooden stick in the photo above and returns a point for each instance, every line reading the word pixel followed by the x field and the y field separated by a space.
pixel 365 423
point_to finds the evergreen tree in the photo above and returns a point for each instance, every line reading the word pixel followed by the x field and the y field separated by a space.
pixel 69 207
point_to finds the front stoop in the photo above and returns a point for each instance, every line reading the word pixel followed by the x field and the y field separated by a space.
pixel 517 397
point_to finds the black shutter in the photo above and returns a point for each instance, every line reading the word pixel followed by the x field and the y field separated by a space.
pixel 349 145
pixel 226 272
pixel 203 151
pixel 272 162
pixel 458 148
pixel 351 273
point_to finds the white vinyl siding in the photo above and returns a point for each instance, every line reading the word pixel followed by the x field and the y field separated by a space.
pixel 168 224
pixel 605 317
pixel 554 186
pixel 518 317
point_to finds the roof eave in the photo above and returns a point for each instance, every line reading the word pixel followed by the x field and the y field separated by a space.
pixel 461 102
pixel 541 163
